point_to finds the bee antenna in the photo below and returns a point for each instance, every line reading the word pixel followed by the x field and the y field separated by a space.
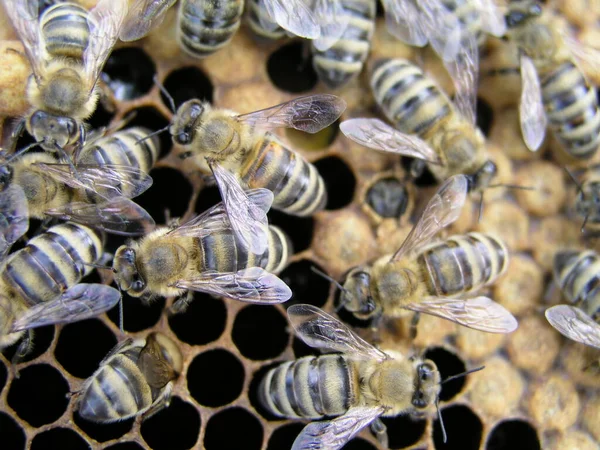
pixel 480 206
pixel 165 93
pixel 99 266
pixel 327 277
pixel 18 153
pixel 439 413
pixel 151 135
pixel 585 219
pixel 574 180
pixel 463 374
pixel 512 186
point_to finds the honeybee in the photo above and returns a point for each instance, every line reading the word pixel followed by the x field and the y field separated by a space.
pixel 428 126
pixel 14 217
pixel 577 273
pixel 243 145
pixel 359 385
pixel 67 48
pixel 135 378
pixel 554 90
pixel 39 284
pixel 587 204
pixel 430 278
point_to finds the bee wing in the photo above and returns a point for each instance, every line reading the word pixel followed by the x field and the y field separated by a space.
pixel 332 22
pixel 531 109
pixel 294 16
pixel 253 285
pixel 210 221
pixel 403 20
pixel 583 52
pixel 464 71
pixel 492 17
pixel 442 27
pixel 310 113
pixel 378 135
pixel 157 371
pixel 320 330
pixel 142 16
pixel 574 324
pixel 14 216
pixel 105 22
pixel 118 215
pixel 23 15
pixel 443 209
pixel 80 302
pixel 333 434
pixel 247 213
pixel 479 313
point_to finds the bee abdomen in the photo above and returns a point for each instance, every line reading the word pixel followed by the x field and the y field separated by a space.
pixel 279 250
pixel 65 30
pixel 205 27
pixel 344 60
pixel 572 109
pixel 309 387
pixel 407 97
pixel 462 264
pixel 257 17
pixel 578 275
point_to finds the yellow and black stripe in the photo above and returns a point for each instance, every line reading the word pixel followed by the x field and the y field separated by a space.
pixel 578 275
pixel 65 30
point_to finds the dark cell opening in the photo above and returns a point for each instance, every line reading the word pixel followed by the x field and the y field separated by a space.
pixel 388 198
pixel 176 427
pixel 290 69
pixel 448 364
pixel 13 437
pixel 299 229
pixel 215 378
pixel 513 435
pixel 313 141
pixel 125 446
pixel 149 117
pixel 100 118
pixel 283 437
pixel 306 285
pixel 3 375
pixel 485 116
pixel 129 72
pixel 301 349
pixel 209 196
pixel 358 444
pixel 103 432
pixel 82 345
pixel 457 419
pixel 425 179
pixel 233 429
pixel 202 322
pixel 185 84
pixel 404 431
pixel 339 181
pixel 253 391
pixel 137 315
pixel 260 332
pixel 42 338
pixel 170 191
pixel 62 438
pixel 39 395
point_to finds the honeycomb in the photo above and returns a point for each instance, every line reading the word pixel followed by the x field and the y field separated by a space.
pixel 533 393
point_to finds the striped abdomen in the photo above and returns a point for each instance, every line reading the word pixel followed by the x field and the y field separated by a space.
pixel 578 275
pixel 409 99
pixel 296 184
pixel 468 15
pixel 463 264
pixel 52 262
pixel 205 27
pixel 261 23
pixel 572 110
pixel 309 387
pixel 344 60
pixel 65 30
pixel 588 197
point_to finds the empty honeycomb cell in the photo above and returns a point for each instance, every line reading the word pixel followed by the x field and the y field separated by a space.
pixel 125 446
pixel 209 196
pixel 13 437
pixel 573 440
pixel 202 322
pixel 554 403
pixel 215 378
pixel 284 436
pixel 548 193
pixel 513 434
pixel 233 428
pixel 187 83
pixel 534 345
pixel 507 221
pixel 358 444
pixel 520 290
pixel 129 72
pixel 591 416
pixel 463 426
pixel 306 285
pixel 485 116
pixel 260 332
pixel 173 428
pixel 103 432
pixel 82 345
pixel 39 395
pixel 137 315
pixel 448 364
pixel 42 339
pixel 404 430
pixel 149 117
pixel 475 344
pixel 313 141
pixel 388 197
pixel 339 181
pixel 299 229
pixel 425 178
pixel 101 117
pixel 62 438
pixel 3 375
pixel 290 70
pixel 300 349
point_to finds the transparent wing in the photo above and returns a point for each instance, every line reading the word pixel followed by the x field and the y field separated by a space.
pixel 144 15
pixel 310 113
pixel 157 371
pixel 264 18
pixel 492 17
pixel 442 27
pixel 378 135
pixel 213 220
pixel 14 216
pixel 253 285
pixel 333 434
pixel 443 209
pixel 531 109
pixel 80 302
pixel 118 215
pixel 464 71
pixel 320 330
pixel 105 22
pixel 23 15
pixel 294 16
pixel 332 22
pixel 574 324
pixel 403 20
pixel 247 213
pixel 585 53
pixel 479 313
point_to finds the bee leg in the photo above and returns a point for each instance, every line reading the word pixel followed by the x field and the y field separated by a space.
pixel 25 346
pixel 413 325
pixel 181 304
pixel 379 430
pixel 375 326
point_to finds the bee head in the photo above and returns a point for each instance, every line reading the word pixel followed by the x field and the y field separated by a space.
pixel 53 131
pixel 188 118
pixel 356 295
pixel 427 385
pixel 482 178
pixel 127 275
pixel 521 11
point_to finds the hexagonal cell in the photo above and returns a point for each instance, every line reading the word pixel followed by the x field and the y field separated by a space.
pixel 339 181
pixel 463 426
pixel 485 116
pixel 404 430
pixel 290 71
pixel 129 72
pixel 260 332
pixel 306 285
pixel 284 436
pixel 82 345
pixel 13 437
pixel 513 434
pixel 101 117
pixel 125 446
pixel 137 316
pixel 103 432
pixel 299 229
pixel 159 198
pixel 209 196
pixel 176 427
pixel 215 378
pixel 151 118
pixel 233 428
pixel 39 395
pixel 448 364
pixel 62 438
pixel 187 83
pixel 42 338
pixel 388 197
pixel 202 322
